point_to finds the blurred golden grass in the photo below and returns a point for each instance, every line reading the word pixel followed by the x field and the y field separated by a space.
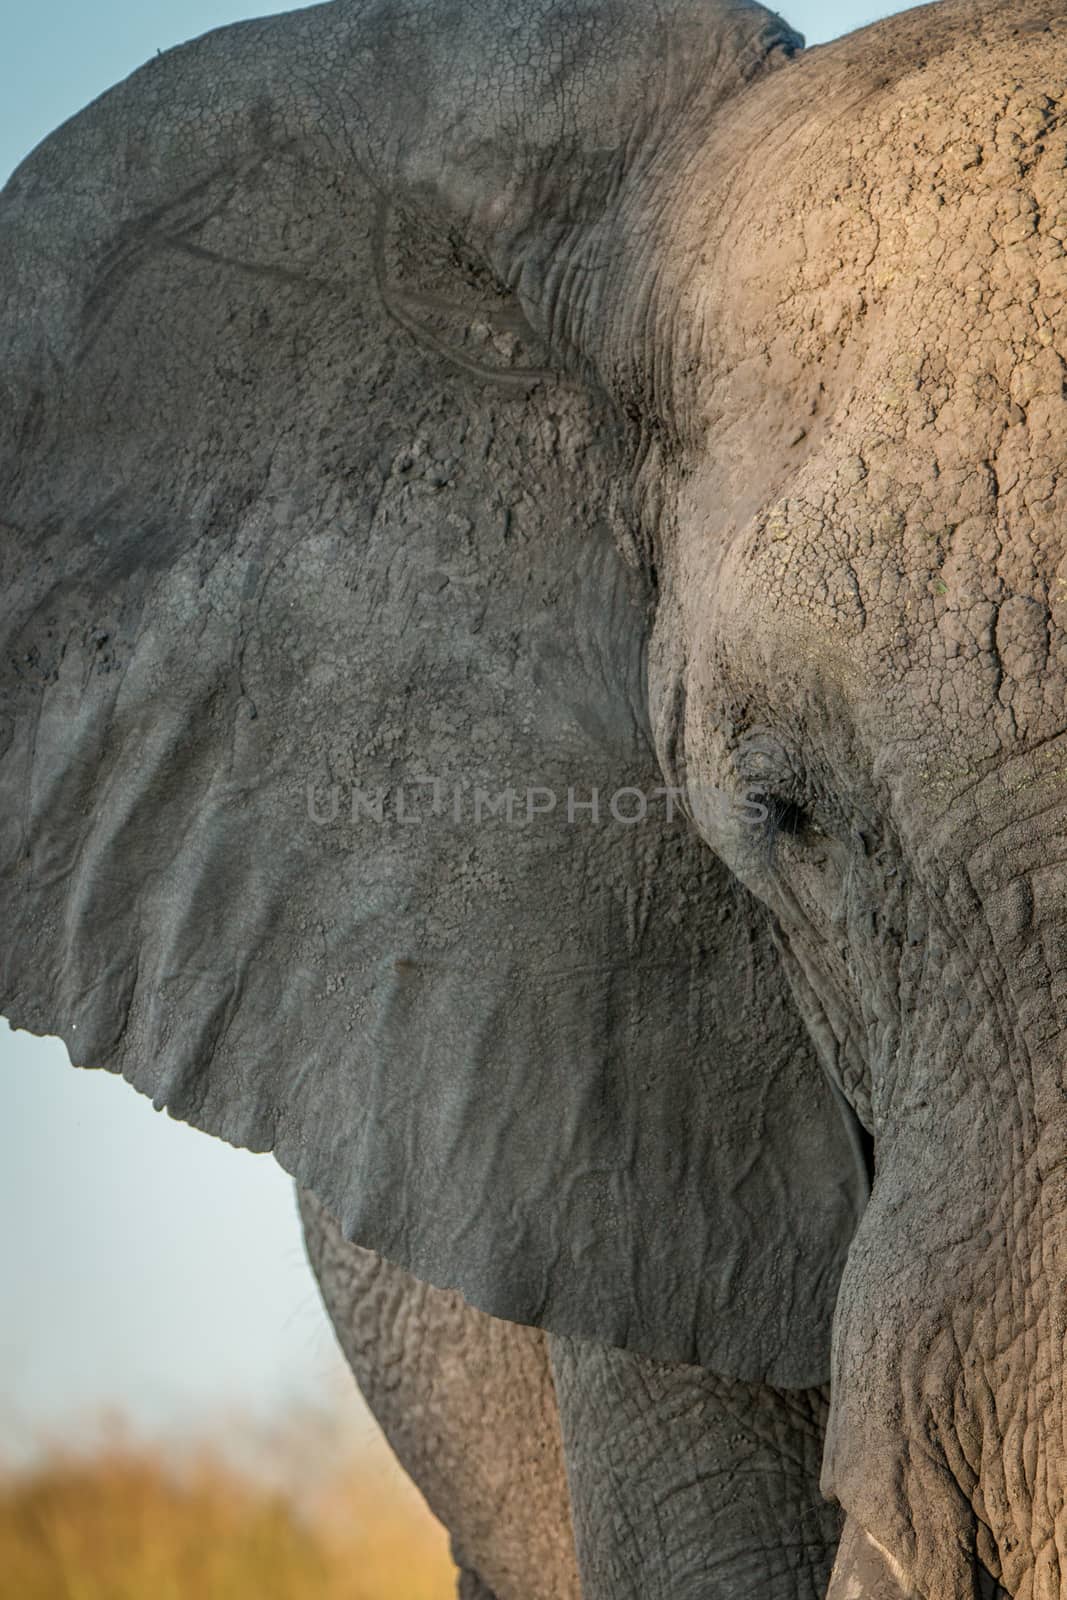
pixel 123 1520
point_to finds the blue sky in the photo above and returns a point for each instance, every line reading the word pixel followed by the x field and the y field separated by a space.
pixel 143 1264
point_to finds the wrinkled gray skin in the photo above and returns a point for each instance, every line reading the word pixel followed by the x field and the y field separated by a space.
pixel 682 1483
pixel 792 328
pixel 467 1402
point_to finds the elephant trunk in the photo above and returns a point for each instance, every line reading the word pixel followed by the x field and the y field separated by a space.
pixel 948 1436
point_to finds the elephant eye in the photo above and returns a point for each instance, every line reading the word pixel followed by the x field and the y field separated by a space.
pixel 790 828
pixel 789 818
pixel 763 761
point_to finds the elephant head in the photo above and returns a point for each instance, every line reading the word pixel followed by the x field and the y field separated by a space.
pixel 534 684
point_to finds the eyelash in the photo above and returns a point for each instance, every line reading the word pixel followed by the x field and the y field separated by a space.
pixel 787 817
pixel 768 766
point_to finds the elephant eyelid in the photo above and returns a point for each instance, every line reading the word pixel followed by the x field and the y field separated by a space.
pixel 762 759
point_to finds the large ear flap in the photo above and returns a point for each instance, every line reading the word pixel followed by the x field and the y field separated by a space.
pixel 308 564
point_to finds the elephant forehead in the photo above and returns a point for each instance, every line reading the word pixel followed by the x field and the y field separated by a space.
pixel 928 605
pixel 894 501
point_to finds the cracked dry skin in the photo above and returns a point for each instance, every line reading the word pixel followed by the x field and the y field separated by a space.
pixel 867 613
pixel 619 397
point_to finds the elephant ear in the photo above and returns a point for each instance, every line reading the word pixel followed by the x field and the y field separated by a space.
pixel 309 561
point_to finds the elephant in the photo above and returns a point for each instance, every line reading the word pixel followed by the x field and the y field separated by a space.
pixel 534 689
